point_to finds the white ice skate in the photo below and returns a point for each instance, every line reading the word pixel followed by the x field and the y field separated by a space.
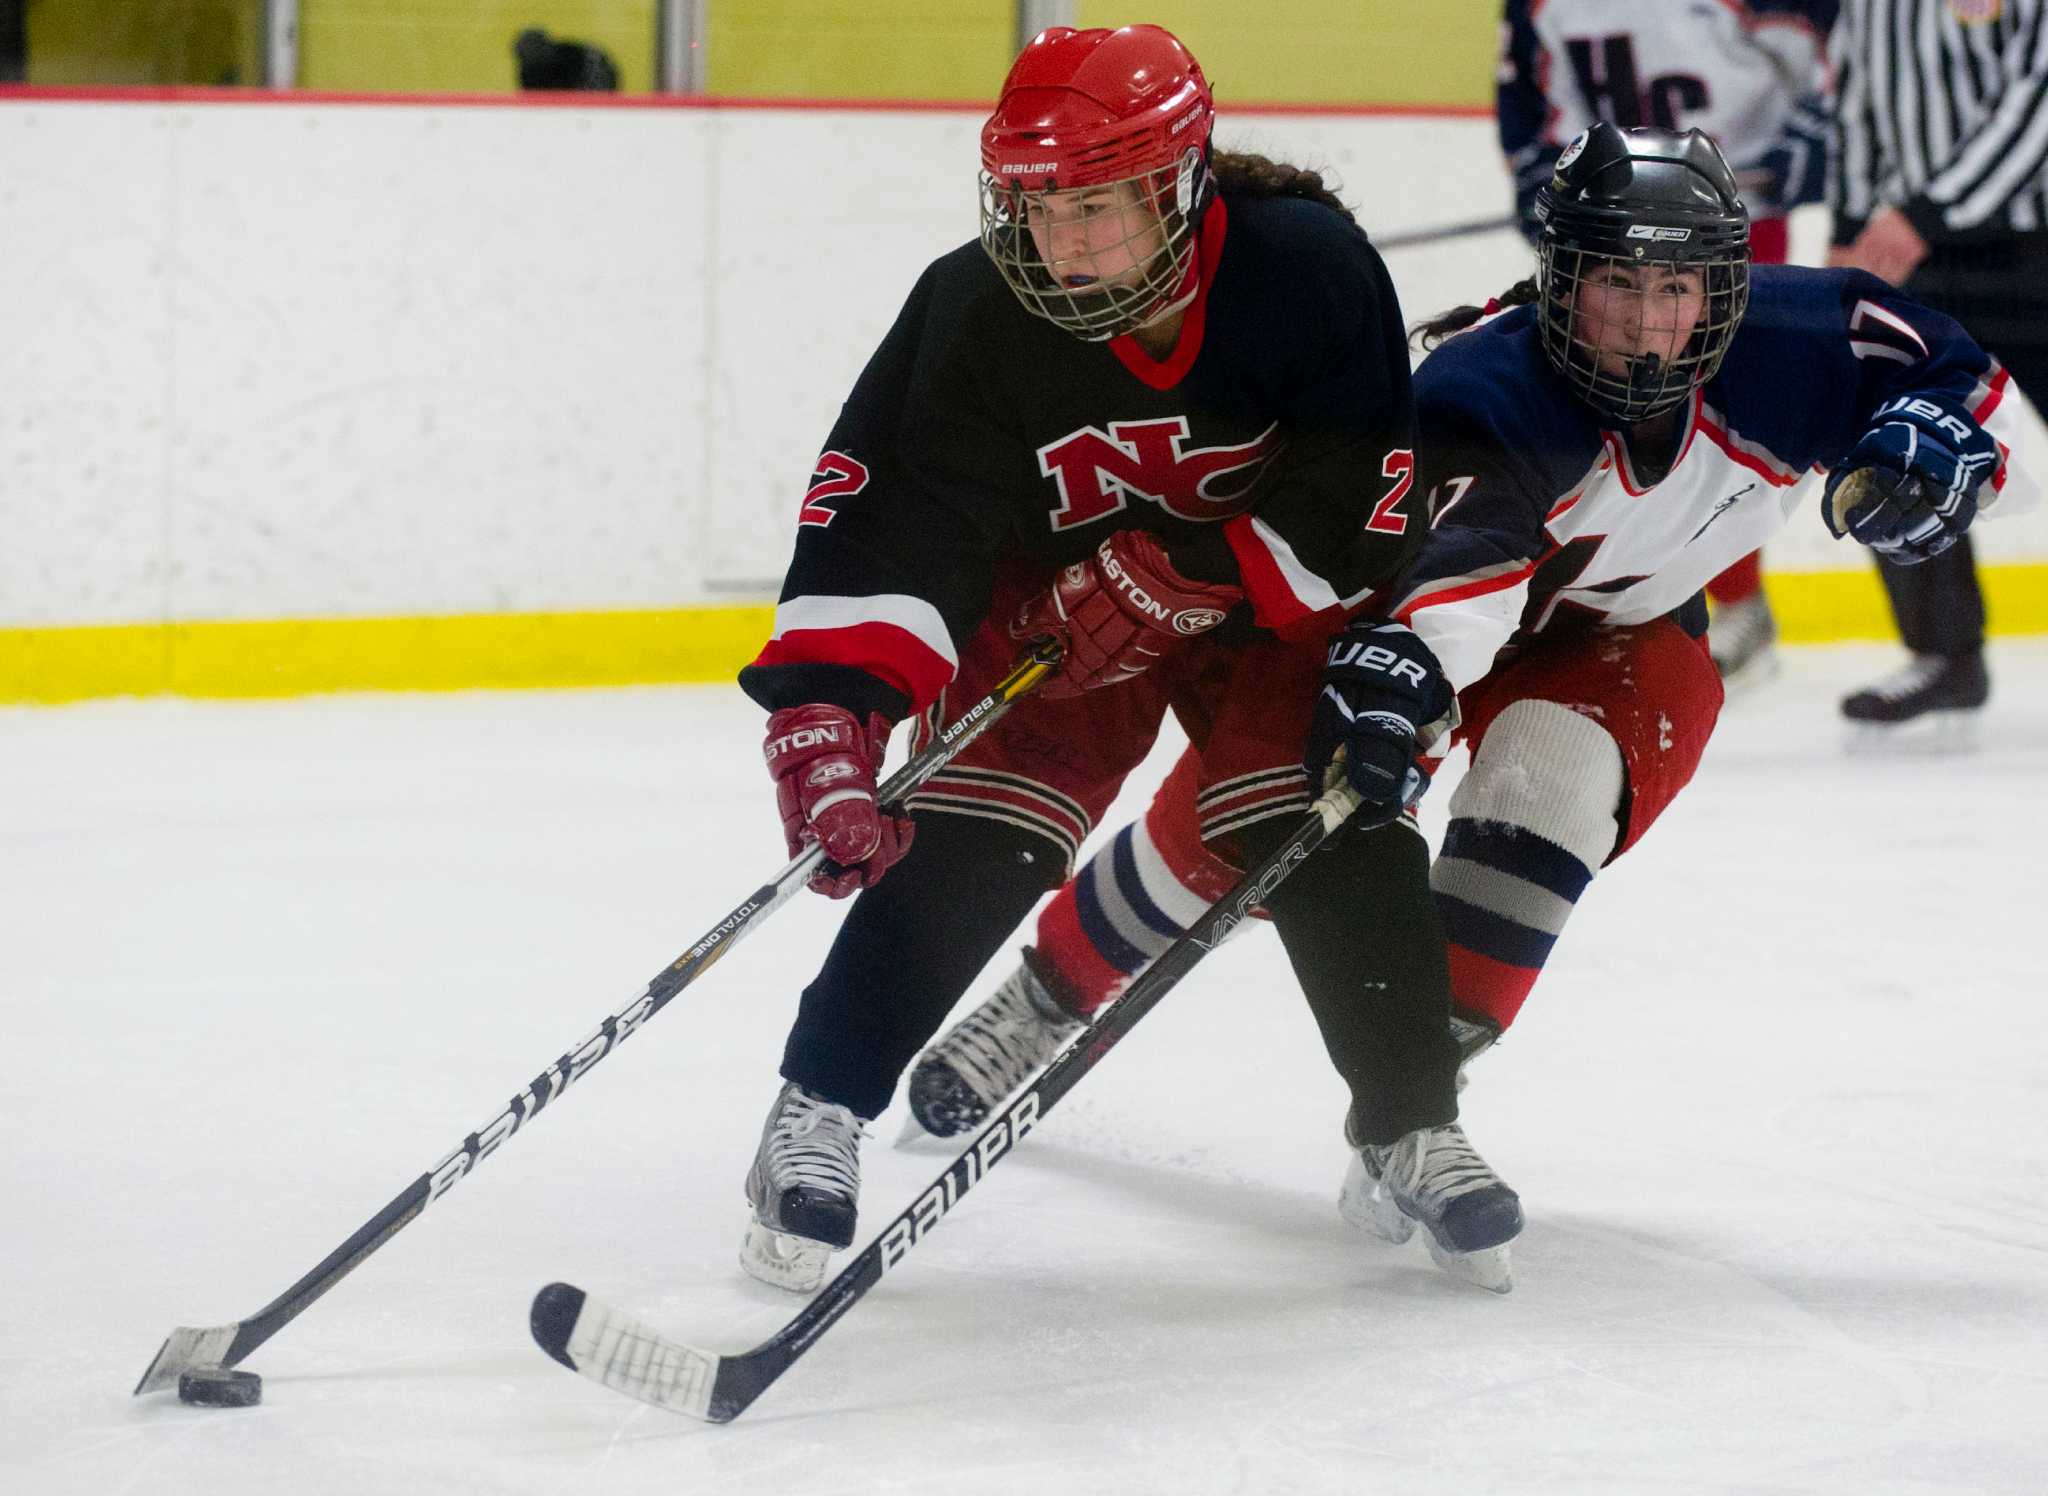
pixel 971 1068
pixel 1435 1178
pixel 805 1190
pixel 1743 639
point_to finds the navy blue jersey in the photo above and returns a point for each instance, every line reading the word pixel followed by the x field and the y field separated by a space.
pixel 1273 448
pixel 1539 517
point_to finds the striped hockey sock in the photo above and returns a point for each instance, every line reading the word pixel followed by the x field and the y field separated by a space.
pixel 1503 893
pixel 1531 821
pixel 1131 900
pixel 1113 918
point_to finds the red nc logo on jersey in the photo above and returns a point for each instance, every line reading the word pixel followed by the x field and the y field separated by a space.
pixel 1099 474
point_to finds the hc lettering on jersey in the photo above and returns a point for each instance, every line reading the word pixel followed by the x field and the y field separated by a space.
pixel 1609 83
pixel 1099 473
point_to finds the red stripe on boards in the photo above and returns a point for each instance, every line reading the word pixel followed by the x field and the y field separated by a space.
pixel 37 93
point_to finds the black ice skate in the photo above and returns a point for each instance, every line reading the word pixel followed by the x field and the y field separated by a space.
pixel 1434 1177
pixel 805 1190
pixel 1743 639
pixel 1934 701
pixel 974 1065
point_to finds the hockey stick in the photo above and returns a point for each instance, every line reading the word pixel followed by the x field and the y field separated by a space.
pixel 1415 238
pixel 228 1345
pixel 624 1354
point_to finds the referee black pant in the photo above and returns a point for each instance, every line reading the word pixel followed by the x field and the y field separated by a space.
pixel 1999 292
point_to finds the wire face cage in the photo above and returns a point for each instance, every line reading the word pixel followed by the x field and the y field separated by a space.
pixel 1638 334
pixel 1119 251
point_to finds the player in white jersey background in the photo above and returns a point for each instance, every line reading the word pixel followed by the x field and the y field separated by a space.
pixel 1599 442
pixel 1750 73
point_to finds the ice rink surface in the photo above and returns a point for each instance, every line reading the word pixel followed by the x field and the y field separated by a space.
pixel 1775 1112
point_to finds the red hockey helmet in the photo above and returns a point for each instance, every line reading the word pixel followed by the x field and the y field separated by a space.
pixel 1127 111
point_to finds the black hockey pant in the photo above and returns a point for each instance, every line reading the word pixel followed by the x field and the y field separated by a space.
pixel 1356 919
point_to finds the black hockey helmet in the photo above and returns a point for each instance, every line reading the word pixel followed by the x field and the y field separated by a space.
pixel 1655 201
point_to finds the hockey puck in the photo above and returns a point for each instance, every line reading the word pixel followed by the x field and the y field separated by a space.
pixel 217 1387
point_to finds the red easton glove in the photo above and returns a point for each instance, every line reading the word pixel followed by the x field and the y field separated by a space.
pixel 1119 611
pixel 824 767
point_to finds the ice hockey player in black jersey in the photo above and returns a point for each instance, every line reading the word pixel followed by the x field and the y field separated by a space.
pixel 1162 411
pixel 1597 444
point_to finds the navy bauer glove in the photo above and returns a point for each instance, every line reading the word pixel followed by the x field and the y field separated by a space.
pixel 1908 489
pixel 1384 697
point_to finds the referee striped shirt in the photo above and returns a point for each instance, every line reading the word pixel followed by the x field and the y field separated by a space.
pixel 1942 112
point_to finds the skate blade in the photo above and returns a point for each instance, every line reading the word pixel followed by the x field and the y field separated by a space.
pixel 1488 1268
pixel 1758 670
pixel 913 1133
pixel 1362 1204
pixel 917 1138
pixel 1930 734
pixel 795 1263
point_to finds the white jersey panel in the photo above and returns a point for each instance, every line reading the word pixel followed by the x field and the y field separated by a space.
pixel 1718 503
pixel 1631 552
pixel 1713 65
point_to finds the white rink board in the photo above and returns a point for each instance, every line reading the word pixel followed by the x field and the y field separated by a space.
pixel 344 360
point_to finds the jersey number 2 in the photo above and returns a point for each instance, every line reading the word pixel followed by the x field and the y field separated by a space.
pixel 835 477
pixel 1388 519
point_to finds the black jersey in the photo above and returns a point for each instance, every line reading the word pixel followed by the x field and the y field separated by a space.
pixel 1273 448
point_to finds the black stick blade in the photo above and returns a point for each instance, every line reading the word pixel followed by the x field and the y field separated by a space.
pixel 553 1319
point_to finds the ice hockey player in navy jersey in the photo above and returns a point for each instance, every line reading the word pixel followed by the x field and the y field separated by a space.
pixel 1598 443
pixel 1751 74
pixel 1162 412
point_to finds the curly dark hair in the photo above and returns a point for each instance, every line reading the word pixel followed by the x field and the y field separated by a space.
pixel 1248 175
